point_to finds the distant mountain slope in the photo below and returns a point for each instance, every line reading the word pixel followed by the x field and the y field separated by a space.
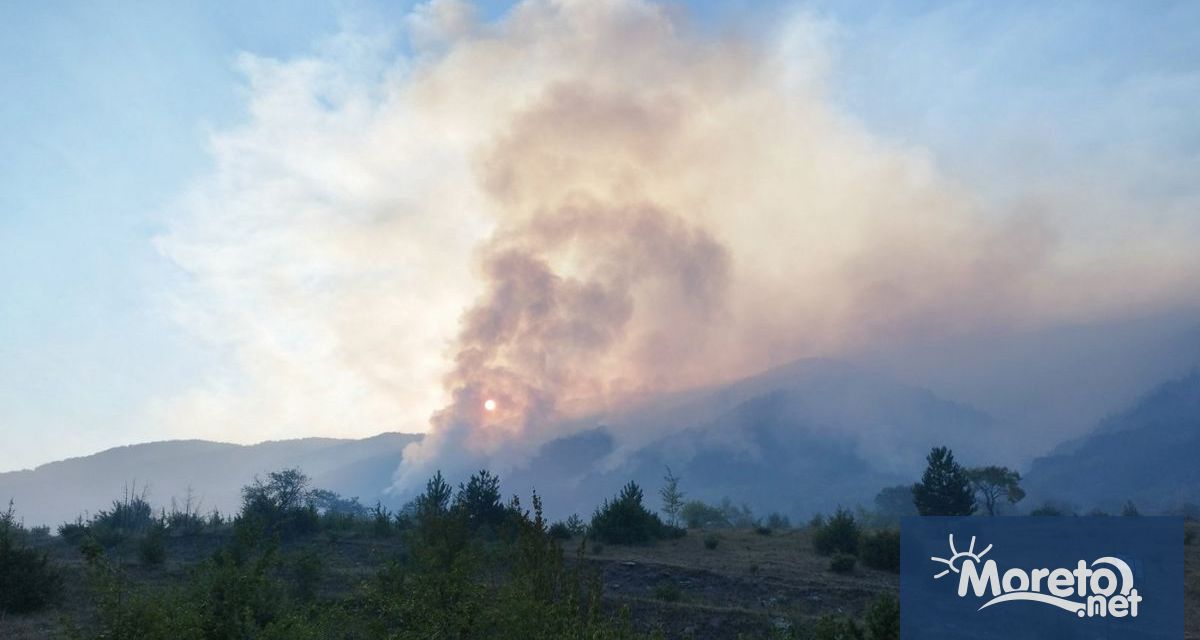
pixel 56 492
pixel 805 437
pixel 1148 454
pixel 1050 384
pixel 797 439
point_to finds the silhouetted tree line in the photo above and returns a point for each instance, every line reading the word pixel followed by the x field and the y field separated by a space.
pixel 469 564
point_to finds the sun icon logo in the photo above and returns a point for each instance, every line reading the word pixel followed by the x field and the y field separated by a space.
pixel 956 559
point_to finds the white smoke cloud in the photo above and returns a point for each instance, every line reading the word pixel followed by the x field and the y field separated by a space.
pixel 581 202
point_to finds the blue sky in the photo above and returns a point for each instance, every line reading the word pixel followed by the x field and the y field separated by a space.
pixel 105 117
pixel 108 109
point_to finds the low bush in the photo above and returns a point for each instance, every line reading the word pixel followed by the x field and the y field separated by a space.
pixel 882 620
pixel 738 516
pixel 881 550
pixel 73 532
pixel 698 515
pixel 152 548
pixel 625 520
pixel 381 521
pixel 778 522
pixel 1052 509
pixel 28 582
pixel 307 571
pixel 450 581
pixel 560 531
pixel 842 563
pixel 763 530
pixel 838 534
pixel 184 518
pixel 130 516
pixel 711 542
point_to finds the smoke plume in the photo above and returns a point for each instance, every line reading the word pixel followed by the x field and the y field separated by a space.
pixel 580 203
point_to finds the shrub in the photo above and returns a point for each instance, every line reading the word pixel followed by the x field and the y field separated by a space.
pixel 73 532
pixel 881 550
pixel 184 524
pixel 232 595
pixel 152 549
pixel 837 535
pixel 307 570
pixel 882 619
pixel 560 531
pixel 28 582
pixel 754 567
pixel 698 515
pixel 129 516
pixel 381 521
pixel 624 520
pixel 762 530
pixel 445 585
pixel 842 563
pixel 1050 509
pixel 711 542
pixel 740 517
pixel 895 502
pixel 185 519
pixel 1189 536
pixel 282 505
pixel 667 591
pixel 91 550
pixel 779 522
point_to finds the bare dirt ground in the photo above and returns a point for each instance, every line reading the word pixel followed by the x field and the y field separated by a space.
pixel 749 586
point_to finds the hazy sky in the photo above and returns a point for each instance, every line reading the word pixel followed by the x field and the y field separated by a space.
pixel 198 200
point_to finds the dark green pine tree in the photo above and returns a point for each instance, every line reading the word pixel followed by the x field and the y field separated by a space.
pixel 945 488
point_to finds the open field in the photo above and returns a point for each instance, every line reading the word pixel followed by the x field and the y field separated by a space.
pixel 750 585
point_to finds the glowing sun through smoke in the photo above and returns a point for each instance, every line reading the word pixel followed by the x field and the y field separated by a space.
pixel 489 405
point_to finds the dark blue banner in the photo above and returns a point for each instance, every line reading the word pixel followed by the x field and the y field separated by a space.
pixel 1049 577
